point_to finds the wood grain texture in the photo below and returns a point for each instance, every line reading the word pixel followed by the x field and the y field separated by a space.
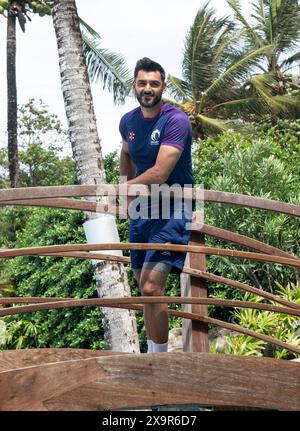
pixel 114 190
pixel 35 251
pixel 111 301
pixel 187 270
pixel 236 238
pixel 132 303
pixel 197 287
pixel 22 358
pixel 134 380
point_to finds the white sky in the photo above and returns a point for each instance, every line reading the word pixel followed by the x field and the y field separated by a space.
pixel 134 28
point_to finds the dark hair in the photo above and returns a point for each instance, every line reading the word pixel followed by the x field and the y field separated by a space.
pixel 149 65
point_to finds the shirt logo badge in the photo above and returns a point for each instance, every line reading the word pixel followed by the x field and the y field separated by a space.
pixel 154 140
pixel 131 136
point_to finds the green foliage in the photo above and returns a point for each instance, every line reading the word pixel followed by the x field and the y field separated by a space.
pixel 21 9
pixel 208 156
pixel 44 149
pixel 281 326
pixel 258 168
pixel 274 22
pixel 53 277
pixel 286 135
pixel 44 163
pixel 221 89
pixel 266 166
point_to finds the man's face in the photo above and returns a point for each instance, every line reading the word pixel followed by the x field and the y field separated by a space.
pixel 149 88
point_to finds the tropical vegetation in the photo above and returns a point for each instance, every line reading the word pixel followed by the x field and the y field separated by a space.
pixel 243 102
pixel 225 84
pixel 103 66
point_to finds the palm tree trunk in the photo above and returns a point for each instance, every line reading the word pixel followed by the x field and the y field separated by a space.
pixel 12 102
pixel 119 325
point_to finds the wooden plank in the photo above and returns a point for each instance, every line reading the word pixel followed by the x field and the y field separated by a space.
pixel 186 270
pixel 236 238
pixel 36 303
pixel 113 190
pixel 21 358
pixel 71 204
pixel 34 251
pixel 185 378
pixel 251 202
pixel 195 333
pixel 134 380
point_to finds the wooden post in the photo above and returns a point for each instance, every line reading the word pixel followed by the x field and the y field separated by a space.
pixel 195 334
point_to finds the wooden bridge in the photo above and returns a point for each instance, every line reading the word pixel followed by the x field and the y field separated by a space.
pixel 79 379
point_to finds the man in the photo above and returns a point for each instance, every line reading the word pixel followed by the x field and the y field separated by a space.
pixel 156 149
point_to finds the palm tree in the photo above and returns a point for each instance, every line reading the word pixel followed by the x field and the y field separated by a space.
pixel 103 66
pixel 12 143
pixel 217 89
pixel 275 23
pixel 119 325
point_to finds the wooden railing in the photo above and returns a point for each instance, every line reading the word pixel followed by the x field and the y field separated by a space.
pixel 194 291
pixel 194 297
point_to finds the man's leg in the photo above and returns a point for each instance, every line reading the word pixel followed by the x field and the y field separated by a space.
pixel 137 275
pixel 152 283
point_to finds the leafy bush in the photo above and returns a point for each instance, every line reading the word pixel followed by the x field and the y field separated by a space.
pixel 281 326
pixel 53 277
pixel 259 168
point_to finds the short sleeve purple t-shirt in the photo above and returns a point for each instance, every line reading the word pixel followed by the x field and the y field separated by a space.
pixel 145 136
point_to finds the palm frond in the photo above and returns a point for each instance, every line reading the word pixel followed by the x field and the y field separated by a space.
pixel 238 71
pixel 178 89
pixel 289 105
pixel 252 33
pixel 173 103
pixel 286 22
pixel 259 14
pixel 106 66
pixel 227 48
pixel 201 41
pixel 264 86
pixel 243 107
pixel 278 22
pixel 290 60
pixel 89 29
pixel 214 126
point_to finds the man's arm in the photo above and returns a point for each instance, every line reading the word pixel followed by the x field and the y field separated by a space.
pixel 166 160
pixel 127 167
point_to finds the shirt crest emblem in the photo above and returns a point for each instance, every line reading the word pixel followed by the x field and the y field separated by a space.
pixel 154 140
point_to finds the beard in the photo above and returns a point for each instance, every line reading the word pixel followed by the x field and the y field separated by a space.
pixel 148 100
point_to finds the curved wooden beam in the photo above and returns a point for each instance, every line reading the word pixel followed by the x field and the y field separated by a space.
pixel 134 380
pixel 47 192
pixel 251 202
pixel 236 238
pixel 4 253
pixel 191 271
pixel 241 286
pixel 62 203
pixel 113 190
pixel 134 304
pixel 111 301
pixel 71 204
pixel 235 328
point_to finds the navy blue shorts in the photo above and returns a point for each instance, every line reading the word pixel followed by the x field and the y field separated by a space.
pixel 174 229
